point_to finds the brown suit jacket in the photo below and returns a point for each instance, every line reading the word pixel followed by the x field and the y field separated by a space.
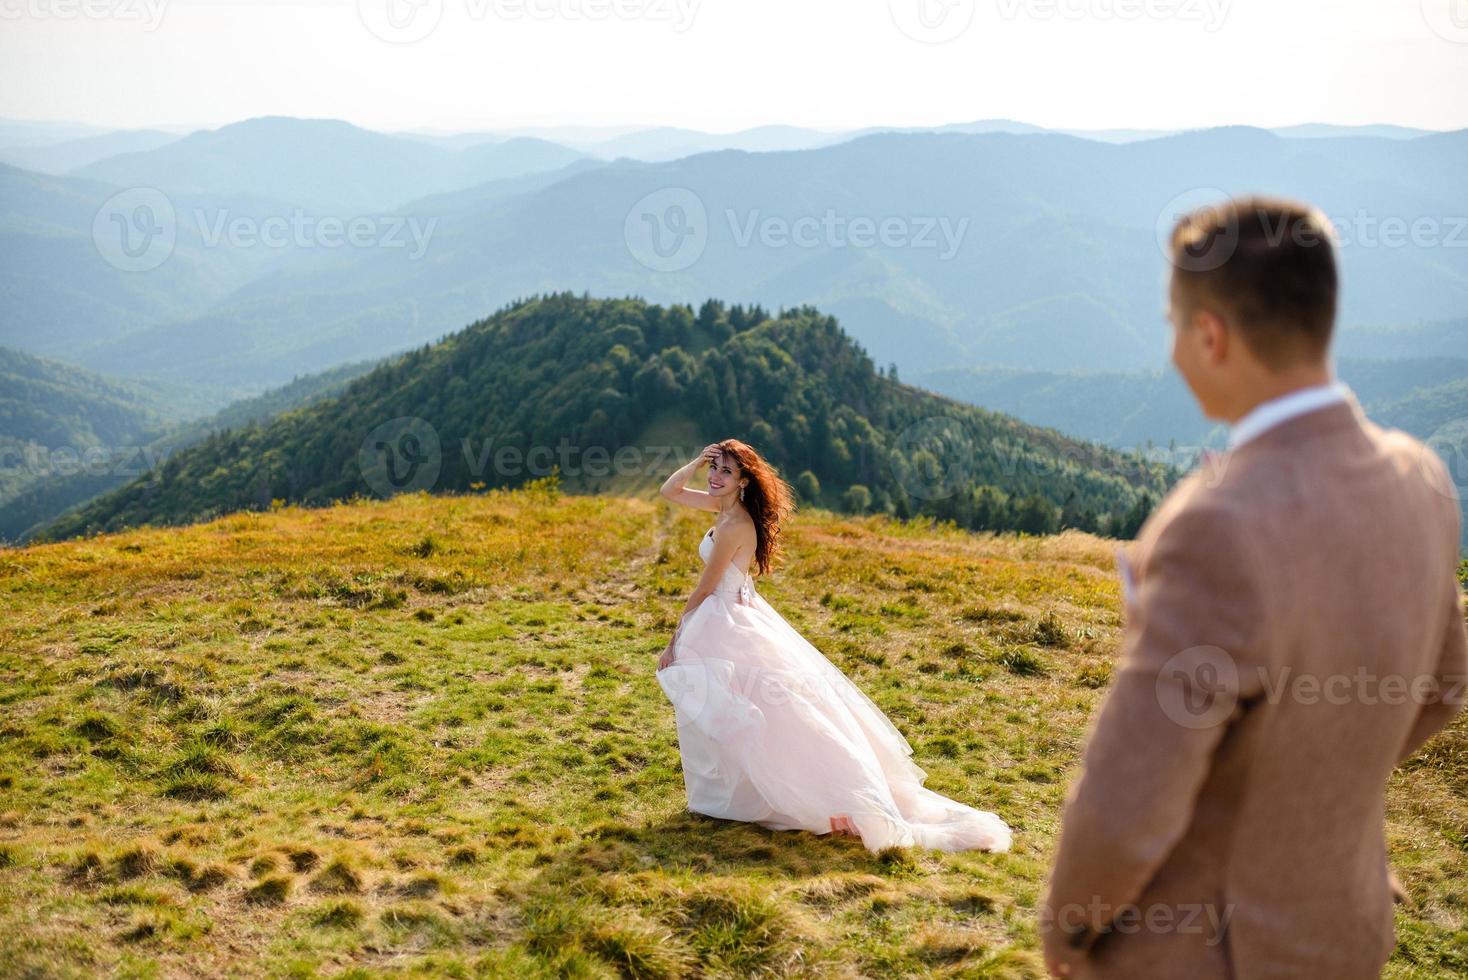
pixel 1295 630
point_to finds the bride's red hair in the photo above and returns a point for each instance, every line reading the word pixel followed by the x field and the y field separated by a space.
pixel 768 498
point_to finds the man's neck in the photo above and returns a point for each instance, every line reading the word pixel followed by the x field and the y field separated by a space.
pixel 1272 385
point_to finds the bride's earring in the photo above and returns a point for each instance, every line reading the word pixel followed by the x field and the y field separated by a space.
pixel 741 495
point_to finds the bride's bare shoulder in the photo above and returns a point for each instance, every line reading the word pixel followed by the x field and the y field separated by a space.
pixel 740 527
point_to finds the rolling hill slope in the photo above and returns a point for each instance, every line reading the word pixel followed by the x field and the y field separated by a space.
pixel 423 736
pixel 582 383
pixel 68 436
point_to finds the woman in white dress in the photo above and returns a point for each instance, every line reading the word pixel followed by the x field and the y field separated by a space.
pixel 769 730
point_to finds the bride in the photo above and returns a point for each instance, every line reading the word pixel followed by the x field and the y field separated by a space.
pixel 770 731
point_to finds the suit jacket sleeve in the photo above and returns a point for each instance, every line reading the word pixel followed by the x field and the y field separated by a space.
pixel 1451 673
pixel 1187 666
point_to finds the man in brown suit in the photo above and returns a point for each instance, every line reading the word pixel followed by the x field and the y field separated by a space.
pixel 1294 631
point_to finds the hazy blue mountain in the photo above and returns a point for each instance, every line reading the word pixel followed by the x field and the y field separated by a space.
pixel 1328 130
pixel 62 294
pixel 26 132
pixel 456 141
pixel 655 143
pixel 57 421
pixel 68 435
pixel 59 158
pixel 1154 414
pixel 662 143
pixel 54 404
pixel 501 161
pixel 1134 410
pixel 476 199
pixel 1440 339
pixel 1438 414
pixel 669 143
pixel 1137 409
pixel 324 164
pixel 564 135
pixel 1020 128
pixel 1058 265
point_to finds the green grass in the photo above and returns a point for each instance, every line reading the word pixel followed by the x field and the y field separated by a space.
pixel 425 736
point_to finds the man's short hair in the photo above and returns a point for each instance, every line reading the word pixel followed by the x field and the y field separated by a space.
pixel 1269 263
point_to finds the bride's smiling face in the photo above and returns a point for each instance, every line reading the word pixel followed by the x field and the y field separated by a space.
pixel 725 477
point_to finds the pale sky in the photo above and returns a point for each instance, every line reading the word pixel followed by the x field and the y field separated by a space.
pixel 722 65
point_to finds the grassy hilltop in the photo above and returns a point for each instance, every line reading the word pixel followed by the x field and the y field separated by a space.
pixel 425 736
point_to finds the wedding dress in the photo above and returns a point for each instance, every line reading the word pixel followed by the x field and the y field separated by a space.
pixel 772 732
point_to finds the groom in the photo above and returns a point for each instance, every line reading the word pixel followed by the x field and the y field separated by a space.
pixel 1294 631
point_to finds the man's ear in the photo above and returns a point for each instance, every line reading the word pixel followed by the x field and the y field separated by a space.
pixel 1213 333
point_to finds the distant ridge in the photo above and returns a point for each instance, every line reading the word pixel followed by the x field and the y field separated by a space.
pixel 602 375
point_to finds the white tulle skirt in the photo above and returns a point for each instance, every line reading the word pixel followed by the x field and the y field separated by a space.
pixel 771 732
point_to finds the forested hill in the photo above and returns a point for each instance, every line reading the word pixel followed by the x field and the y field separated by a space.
pixel 617 394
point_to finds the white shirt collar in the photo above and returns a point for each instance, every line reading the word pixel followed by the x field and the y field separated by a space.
pixel 1267 415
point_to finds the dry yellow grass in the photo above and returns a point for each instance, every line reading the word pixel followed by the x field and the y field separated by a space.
pixel 424 735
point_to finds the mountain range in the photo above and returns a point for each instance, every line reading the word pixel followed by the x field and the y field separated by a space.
pixel 1003 265
pixel 1414 379
pixel 1014 250
pixel 58 148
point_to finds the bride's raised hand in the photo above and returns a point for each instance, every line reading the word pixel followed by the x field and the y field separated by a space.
pixel 710 454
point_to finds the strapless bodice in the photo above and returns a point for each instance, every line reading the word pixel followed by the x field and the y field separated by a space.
pixel 734 583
